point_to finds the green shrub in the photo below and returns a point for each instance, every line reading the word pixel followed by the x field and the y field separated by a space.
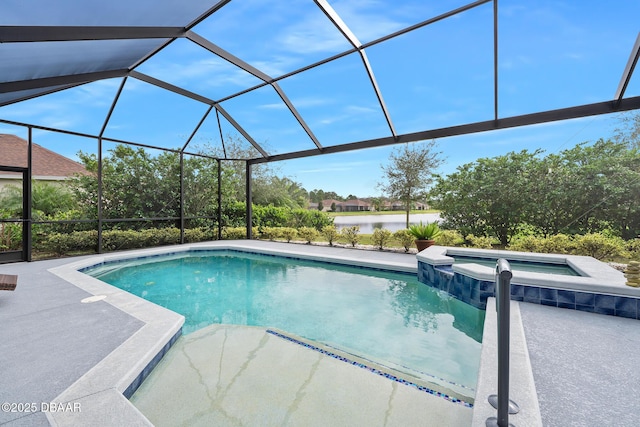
pixel 331 233
pixel 405 238
pixel 114 240
pixel 198 234
pixel 270 216
pixel 428 231
pixel 558 244
pixel 306 218
pixel 308 234
pixel 449 238
pixel 480 242
pixel 380 237
pixel 318 219
pixel 289 233
pixel 526 244
pixel 271 233
pixel 234 233
pixel 10 236
pixel 77 241
pixel 599 246
pixel 233 214
pixel 351 234
pixel 633 248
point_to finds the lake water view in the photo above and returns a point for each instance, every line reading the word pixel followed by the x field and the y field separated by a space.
pixel 392 223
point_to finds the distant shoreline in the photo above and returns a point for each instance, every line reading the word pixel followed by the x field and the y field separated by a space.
pixel 363 213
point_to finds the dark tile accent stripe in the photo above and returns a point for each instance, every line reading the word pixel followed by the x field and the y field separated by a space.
pixel 475 292
pixel 373 370
pixel 152 364
pixel 241 252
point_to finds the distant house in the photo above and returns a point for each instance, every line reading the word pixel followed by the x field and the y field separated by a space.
pixel 354 205
pixel 47 165
pixel 399 206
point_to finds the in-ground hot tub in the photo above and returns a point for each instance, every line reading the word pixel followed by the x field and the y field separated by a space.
pixel 566 281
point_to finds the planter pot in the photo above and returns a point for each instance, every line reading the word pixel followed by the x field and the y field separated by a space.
pixel 424 244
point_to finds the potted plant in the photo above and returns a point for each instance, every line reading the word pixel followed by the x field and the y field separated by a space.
pixel 424 234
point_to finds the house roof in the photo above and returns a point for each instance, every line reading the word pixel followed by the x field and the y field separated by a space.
pixel 45 163
pixel 355 202
pixel 329 202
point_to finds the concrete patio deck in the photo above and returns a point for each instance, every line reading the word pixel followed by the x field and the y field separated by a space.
pixel 56 349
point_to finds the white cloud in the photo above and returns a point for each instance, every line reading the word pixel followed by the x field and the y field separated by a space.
pixel 274 106
pixel 308 102
pixel 356 109
pixel 369 19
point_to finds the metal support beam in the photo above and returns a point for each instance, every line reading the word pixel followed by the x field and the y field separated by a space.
pixel 378 93
pixel 100 219
pixel 229 57
pixel 99 177
pixel 249 199
pixel 240 129
pixel 171 88
pixel 365 46
pixel 489 125
pixel 27 201
pixel 495 59
pixel 48 82
pixel 297 115
pixel 184 147
pixel 628 71
pixel 31 95
pixel 351 37
pixel 22 34
pixel 195 96
pixel 219 210
pixel 181 198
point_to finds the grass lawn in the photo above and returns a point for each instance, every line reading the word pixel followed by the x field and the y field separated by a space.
pixel 365 240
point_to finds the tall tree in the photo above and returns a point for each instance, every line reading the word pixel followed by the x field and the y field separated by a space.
pixel 410 173
pixel 628 130
pixel 488 196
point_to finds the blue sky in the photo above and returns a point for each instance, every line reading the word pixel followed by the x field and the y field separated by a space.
pixel 553 54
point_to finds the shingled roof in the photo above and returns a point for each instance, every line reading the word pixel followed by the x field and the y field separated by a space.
pixel 45 163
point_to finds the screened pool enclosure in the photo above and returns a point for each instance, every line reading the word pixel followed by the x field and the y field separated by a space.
pixel 168 76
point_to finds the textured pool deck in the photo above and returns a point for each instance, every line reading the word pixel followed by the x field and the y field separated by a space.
pixel 54 348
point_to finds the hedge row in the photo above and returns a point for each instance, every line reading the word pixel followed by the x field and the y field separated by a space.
pixel 597 245
pixel 114 240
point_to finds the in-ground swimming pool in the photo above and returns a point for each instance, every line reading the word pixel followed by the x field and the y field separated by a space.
pixel 389 318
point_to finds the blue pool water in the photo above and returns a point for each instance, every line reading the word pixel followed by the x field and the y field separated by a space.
pixel 389 318
pixel 531 266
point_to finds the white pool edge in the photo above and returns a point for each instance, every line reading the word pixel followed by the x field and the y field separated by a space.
pixel 596 276
pixel 522 389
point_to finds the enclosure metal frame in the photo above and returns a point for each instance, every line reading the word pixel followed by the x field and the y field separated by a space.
pixel 26 34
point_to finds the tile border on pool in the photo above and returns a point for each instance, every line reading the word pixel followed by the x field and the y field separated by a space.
pixel 146 371
pixel 475 292
pixel 188 251
pixel 372 370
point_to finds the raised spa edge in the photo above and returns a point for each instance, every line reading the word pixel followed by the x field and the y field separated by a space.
pixel 599 288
